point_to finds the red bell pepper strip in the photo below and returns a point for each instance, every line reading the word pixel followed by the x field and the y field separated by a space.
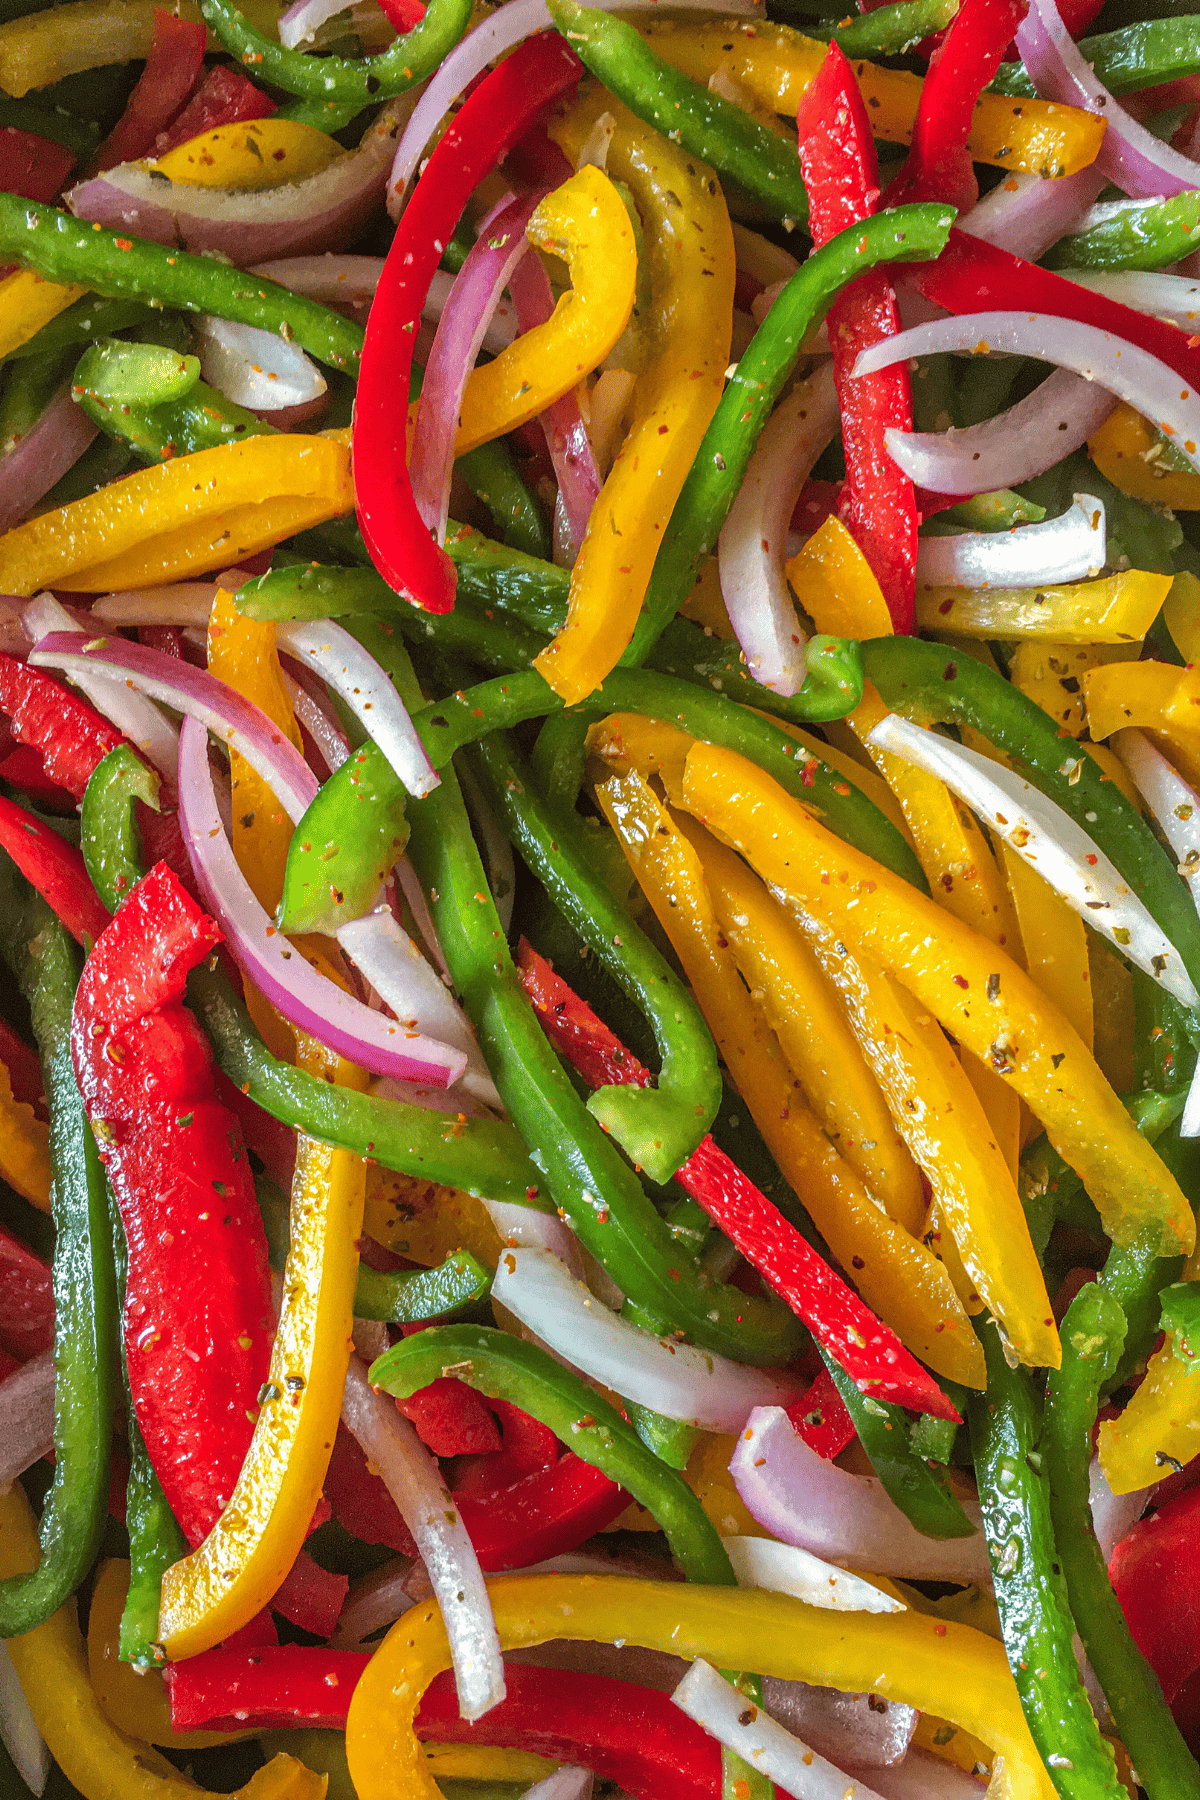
pixel 26 1300
pixel 23 768
pixel 70 735
pixel 841 174
pixel 821 1418
pixel 32 166
pixel 869 1351
pixel 24 1069
pixel 173 67
pixel 264 1688
pixel 272 1142
pixel 528 1447
pixel 361 1503
pixel 55 868
pixel 1155 1572
pixel 224 97
pixel 310 1596
pixel 495 116
pixel 403 14
pixel 198 1318
pixel 451 1419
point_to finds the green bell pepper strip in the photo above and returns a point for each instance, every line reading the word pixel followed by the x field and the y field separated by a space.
pixel 890 30
pixel 930 683
pixel 349 838
pixel 329 116
pixel 507 1368
pixel 907 234
pixel 89 317
pixel 110 841
pixel 411 1295
pixel 997 511
pixel 658 1127
pixel 493 478
pixel 113 373
pixel 922 1493
pixel 1137 56
pixel 1142 235
pixel 409 60
pixel 45 964
pixel 78 135
pixel 29 386
pixel 558 761
pixel 832 686
pixel 1093 1333
pixel 719 132
pixel 201 419
pixel 65 249
pixel 587 1179
pixel 1031 1595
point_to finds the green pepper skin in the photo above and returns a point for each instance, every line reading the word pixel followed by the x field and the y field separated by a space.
pixel 1031 1596
pixel 832 686
pixel 507 1368
pixel 409 60
pixel 45 963
pixel 890 30
pixel 110 841
pixel 88 318
pixel 658 1127
pixel 492 476
pixel 1142 236
pixel 1137 56
pixel 922 1493
pixel 29 387
pixel 1093 1333
pixel 411 1295
pixel 115 373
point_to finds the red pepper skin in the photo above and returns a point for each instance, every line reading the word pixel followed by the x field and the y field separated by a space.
pixel 32 166
pixel 403 14
pixel 448 1422
pixel 821 1418
pixel 841 174
pixel 26 1300
pixel 198 1319
pixel 24 769
pixel 869 1351
pixel 528 1447
pixel 1155 1572
pixel 497 113
pixel 173 67
pixel 310 1596
pixel 267 1687
pixel 361 1504
pixel 24 1069
pixel 224 97
pixel 56 870
pixel 939 166
pixel 70 735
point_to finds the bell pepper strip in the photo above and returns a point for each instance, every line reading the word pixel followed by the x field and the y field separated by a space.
pixel 896 1275
pixel 44 964
pixel 869 1352
pixel 1158 1429
pixel 1123 449
pixel 1023 1035
pixel 493 118
pixel 268 1689
pixel 658 1127
pixel 183 1185
pixel 393 71
pixel 840 589
pixel 932 684
pixel 762 371
pixel 155 1542
pixel 250 157
pixel 26 1300
pixel 930 1664
pixel 1140 237
pixel 707 124
pixel 1117 609
pixel 110 840
pixel 69 735
pixel 30 302
pixel 586 1177
pixel 413 1295
pixel 32 166
pixel 134 1702
pixel 1153 1574
pixel 55 868
pixel 1143 697
pixel 173 67
pixel 690 255
pixel 1031 1593
pixel 821 1418
pixel 841 173
pixel 24 1148
pixel 224 97
pixel 451 1419
pixel 1054 943
pixel 831 688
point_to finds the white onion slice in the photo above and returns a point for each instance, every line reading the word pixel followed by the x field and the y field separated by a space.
pixel 1113 1515
pixel 18 1727
pixel 787 1569
pixel 1125 369
pixel 852 1730
pixel 26 1416
pixel 677 1380
pixel 526 1228
pixel 849 1519
pixel 134 715
pixel 1129 156
pixel 1050 841
pixel 1069 548
pixel 411 1477
pixel 568 1783
pixel 753 543
pixel 337 280
pixel 301 22
pixel 716 1704
pixel 178 603
pixel 1163 296
pixel 1026 214
pixel 923 1777
pixel 1031 437
pixel 254 368
pixel 354 674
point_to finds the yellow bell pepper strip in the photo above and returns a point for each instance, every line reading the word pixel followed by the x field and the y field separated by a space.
pixel 97 533
pixel 251 155
pixel 24 1147
pixel 236 1571
pixel 96 1758
pixel 134 1702
pixel 584 222
pixel 426 1223
pixel 929 1664
pixel 776 64
pixel 836 585
pixel 689 248
pixel 1129 453
pixel 1054 938
pixel 29 301
pixel 1159 1427
pixel 894 1272
pixel 1181 615
pixel 1050 673
pixel 485 1763
pixel 1117 609
pixel 981 996
pixel 707 1474
pixel 89 34
pixel 1140 694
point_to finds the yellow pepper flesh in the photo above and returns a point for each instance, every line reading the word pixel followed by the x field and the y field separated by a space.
pixel 1127 451
pixel 1050 674
pixel 135 1701
pixel 24 1147
pixel 1055 942
pixel 585 222
pixel 1117 609
pixel 88 34
pixel 975 990
pixel 931 1664
pixel 836 585
pixel 1181 615
pixel 425 1223
pixel 1160 1422
pixel 1140 695
pixel 27 302
pixel 252 155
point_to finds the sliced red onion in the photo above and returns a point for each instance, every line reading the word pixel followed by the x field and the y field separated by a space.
pixel 26 1416
pixel 18 1728
pixel 418 906
pixel 787 1569
pixel 253 368
pixel 335 280
pixel 923 1777
pixel 1069 548
pixel 330 741
pixel 849 1519
pixel 411 1477
pixel 674 1379
pixel 1016 445
pixel 562 423
pixel 14 639
pixel 753 543
pixel 1125 369
pixel 42 455
pixel 1050 841
pixel 1129 156
pixel 1027 214
pixel 485 274
pixel 134 715
pixel 321 212
pixel 1113 1515
pixel 716 1704
pixel 567 1783
pixel 179 603
pixel 850 1729
pixel 1163 296
pixel 526 1228
pixel 353 673
pixel 501 327
pixel 308 999
pixel 375 1600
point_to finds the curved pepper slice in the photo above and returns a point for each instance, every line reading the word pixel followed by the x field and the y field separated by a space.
pixel 135 1701
pixel 55 868
pixel 584 222
pixel 259 153
pixel 68 734
pixel 1118 609
pixel 1123 449
pixel 198 1278
pixel 24 1148
pixel 27 302
pixel 173 67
